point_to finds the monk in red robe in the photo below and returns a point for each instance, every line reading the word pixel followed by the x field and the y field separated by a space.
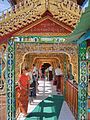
pixel 24 85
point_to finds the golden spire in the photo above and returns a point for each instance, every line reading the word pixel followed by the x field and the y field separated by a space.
pixel 47 4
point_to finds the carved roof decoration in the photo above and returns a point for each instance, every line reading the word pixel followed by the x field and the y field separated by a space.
pixel 70 49
pixel 80 2
pixel 47 26
pixel 27 12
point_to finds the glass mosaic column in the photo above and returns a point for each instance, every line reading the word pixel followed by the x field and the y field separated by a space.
pixel 82 82
pixel 10 81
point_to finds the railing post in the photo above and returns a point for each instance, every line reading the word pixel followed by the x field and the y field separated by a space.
pixel 47 4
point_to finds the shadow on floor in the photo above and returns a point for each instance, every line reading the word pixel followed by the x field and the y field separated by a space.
pixel 48 109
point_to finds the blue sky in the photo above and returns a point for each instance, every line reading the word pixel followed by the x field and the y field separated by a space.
pixel 4 4
pixel 86 4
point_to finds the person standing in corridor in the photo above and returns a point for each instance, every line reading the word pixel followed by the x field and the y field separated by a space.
pixel 58 77
pixel 35 79
pixel 23 88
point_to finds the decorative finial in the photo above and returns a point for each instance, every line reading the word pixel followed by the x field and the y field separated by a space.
pixel 47 4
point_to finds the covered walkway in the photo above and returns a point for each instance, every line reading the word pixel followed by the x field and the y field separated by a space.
pixel 42 108
pixel 46 31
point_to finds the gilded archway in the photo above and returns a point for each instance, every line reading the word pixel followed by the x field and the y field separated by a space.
pixel 37 50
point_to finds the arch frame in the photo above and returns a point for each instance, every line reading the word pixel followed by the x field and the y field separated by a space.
pixel 11 64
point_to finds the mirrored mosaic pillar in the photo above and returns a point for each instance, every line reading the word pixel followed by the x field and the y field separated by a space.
pixel 82 82
pixel 10 81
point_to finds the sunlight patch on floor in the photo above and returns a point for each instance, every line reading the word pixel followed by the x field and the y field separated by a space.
pixel 45 89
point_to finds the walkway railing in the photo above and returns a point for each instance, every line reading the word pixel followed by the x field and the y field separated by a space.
pixel 71 96
pixel 62 86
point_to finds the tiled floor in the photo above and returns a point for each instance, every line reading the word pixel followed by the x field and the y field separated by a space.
pixel 43 93
pixel 65 113
pixel 45 89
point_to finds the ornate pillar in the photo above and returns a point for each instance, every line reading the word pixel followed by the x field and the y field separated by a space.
pixel 82 82
pixel 10 81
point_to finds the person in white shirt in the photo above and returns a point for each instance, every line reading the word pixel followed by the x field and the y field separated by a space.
pixel 58 77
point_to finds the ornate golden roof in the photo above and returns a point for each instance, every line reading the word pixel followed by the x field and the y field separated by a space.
pixel 47 26
pixel 29 11
pixel 80 2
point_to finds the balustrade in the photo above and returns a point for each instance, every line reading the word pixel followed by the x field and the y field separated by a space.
pixel 73 7
pixel 62 85
pixel 15 9
pixel 71 96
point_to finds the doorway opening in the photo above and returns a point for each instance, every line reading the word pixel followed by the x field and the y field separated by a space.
pixel 44 70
